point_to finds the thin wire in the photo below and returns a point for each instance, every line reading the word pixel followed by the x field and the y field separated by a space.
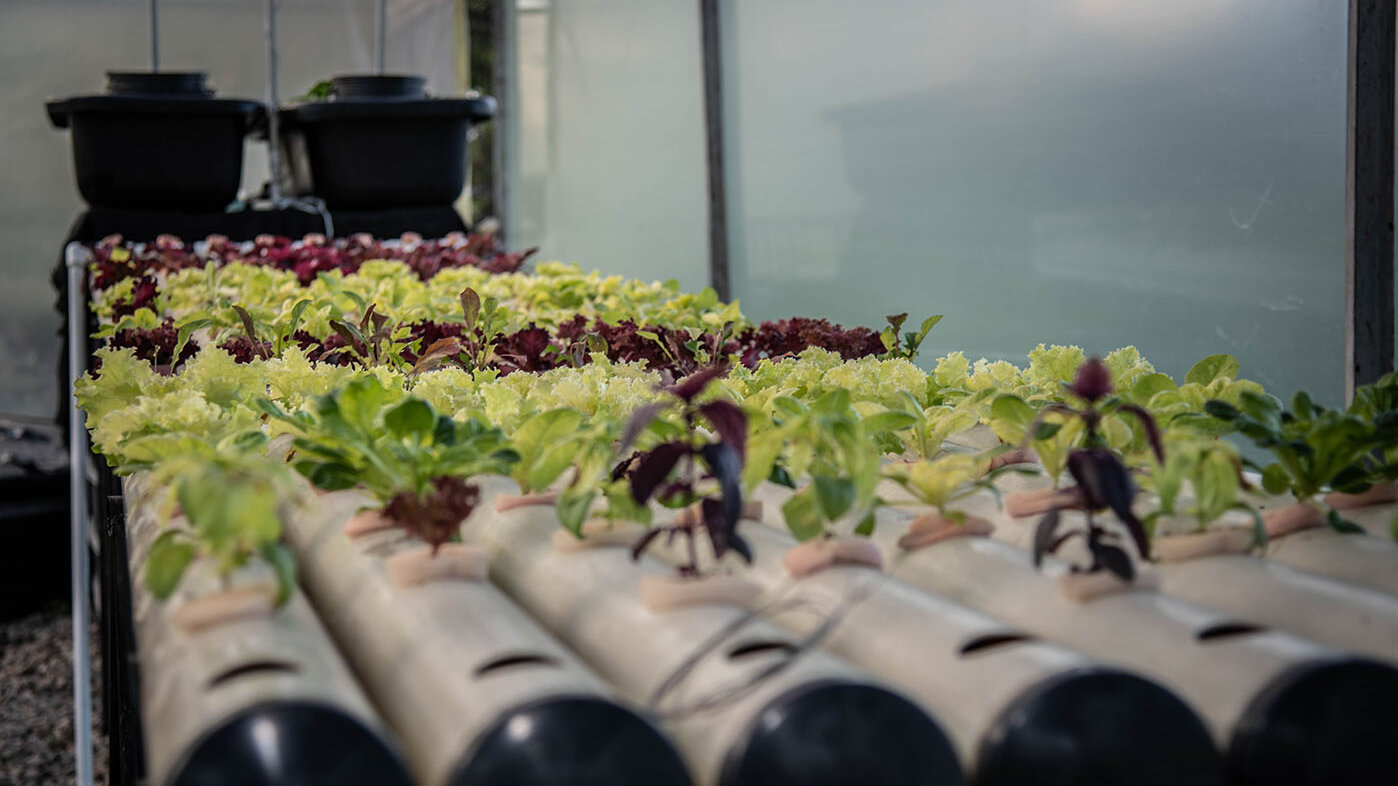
pixel 725 695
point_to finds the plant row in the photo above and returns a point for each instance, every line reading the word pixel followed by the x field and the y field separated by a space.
pixel 644 399
pixel 115 260
pixel 620 439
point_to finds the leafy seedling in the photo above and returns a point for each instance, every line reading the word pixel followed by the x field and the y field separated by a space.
pixel 234 502
pixel 943 481
pixel 1103 481
pixel 1213 471
pixel 1314 448
pixel 906 344
pixel 831 444
pixel 415 462
pixel 670 473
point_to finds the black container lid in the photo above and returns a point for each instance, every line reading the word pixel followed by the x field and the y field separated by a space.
pixel 1322 723
pixel 61 110
pixel 473 108
pixel 379 87
pixel 156 93
pixel 289 742
pixel 835 733
pixel 571 741
pixel 1098 727
pixel 159 83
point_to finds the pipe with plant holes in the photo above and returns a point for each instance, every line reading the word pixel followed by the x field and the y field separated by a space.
pixel 262 698
pixel 745 702
pixel 478 692
pixel 1255 688
pixel 1001 693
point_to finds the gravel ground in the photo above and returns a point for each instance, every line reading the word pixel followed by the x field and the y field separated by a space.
pixel 36 701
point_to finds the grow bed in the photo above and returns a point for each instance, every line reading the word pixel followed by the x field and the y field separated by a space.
pixel 633 416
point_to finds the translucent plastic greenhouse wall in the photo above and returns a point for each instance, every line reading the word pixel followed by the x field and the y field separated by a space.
pixel 52 48
pixel 1096 172
pixel 607 165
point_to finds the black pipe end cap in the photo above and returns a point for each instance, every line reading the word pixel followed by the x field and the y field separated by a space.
pixel 835 733
pixel 576 740
pixel 1098 727
pixel 282 742
pixel 1322 723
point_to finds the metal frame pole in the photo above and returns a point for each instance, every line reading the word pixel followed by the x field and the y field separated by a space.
pixel 1369 324
pixel 381 58
pixel 154 37
pixel 76 258
pixel 502 81
pixel 711 43
pixel 274 151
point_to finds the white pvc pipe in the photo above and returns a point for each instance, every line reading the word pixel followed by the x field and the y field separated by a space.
pixel 591 600
pixel 1266 591
pixel 1177 643
pixel 1364 560
pixel 76 257
pixel 186 691
pixel 420 650
pixel 909 637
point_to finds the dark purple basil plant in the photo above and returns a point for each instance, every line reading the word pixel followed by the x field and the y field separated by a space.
pixel 670 472
pixel 1103 481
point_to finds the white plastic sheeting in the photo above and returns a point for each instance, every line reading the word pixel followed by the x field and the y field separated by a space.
pixel 607 159
pixel 1096 172
pixel 54 48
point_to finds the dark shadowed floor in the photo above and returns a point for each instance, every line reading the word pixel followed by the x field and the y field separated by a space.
pixel 36 701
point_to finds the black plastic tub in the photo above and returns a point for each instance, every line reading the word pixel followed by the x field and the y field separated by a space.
pixel 157 141
pixel 380 143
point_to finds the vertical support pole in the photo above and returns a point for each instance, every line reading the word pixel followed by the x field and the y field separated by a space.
pixel 274 137
pixel 154 37
pixel 1369 260
pixel 506 121
pixel 381 57
pixel 76 259
pixel 466 200
pixel 463 45
pixel 709 33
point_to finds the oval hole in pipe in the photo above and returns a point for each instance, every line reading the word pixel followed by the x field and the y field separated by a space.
pixel 760 646
pixel 255 667
pixel 1226 630
pixel 992 641
pixel 514 660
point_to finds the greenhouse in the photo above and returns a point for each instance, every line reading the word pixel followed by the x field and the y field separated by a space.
pixel 706 393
